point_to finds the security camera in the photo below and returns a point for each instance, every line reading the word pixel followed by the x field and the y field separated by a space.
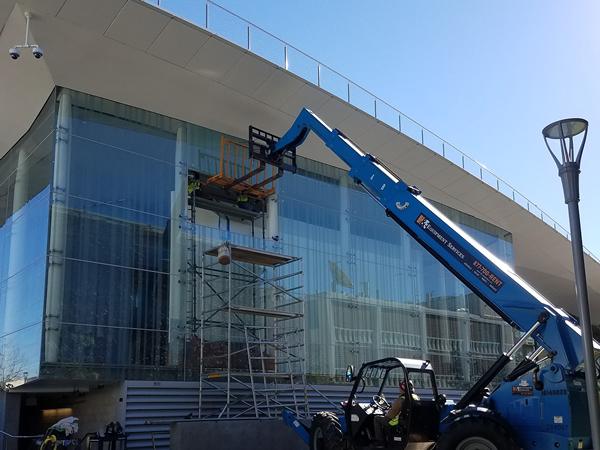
pixel 37 52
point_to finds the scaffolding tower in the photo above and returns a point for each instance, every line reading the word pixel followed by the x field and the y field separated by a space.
pixel 251 325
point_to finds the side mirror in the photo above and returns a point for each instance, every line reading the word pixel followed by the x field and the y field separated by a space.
pixel 350 373
pixel 440 399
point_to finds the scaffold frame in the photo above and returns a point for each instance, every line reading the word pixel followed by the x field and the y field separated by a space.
pixel 251 325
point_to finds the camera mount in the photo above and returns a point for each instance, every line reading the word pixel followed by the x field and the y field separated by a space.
pixel 36 50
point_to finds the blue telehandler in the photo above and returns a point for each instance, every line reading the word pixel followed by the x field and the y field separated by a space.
pixel 540 404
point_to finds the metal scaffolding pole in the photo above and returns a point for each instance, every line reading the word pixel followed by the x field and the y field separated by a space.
pixel 252 353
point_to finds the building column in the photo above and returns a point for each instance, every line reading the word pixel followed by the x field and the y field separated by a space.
pixel 507 338
pixel 344 215
pixel 408 273
pixel 178 272
pixel 273 220
pixel 18 241
pixel 329 325
pixel 10 413
pixel 464 328
pixel 378 333
pixel 423 333
pixel 464 334
pixel 349 255
pixel 21 180
pixel 58 229
pixel 420 293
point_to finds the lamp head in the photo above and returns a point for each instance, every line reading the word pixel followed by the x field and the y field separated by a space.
pixel 564 131
pixel 565 128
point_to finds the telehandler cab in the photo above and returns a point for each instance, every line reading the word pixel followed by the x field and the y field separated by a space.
pixel 364 413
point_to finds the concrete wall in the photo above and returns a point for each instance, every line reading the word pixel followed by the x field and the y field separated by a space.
pixel 25 84
pixel 10 411
pixel 230 434
pixel 99 407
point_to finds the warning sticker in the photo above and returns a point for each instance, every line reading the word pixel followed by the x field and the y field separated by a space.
pixel 489 278
pixel 523 388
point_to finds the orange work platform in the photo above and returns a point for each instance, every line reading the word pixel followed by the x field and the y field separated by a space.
pixel 241 173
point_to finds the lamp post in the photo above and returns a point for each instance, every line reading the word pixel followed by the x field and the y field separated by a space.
pixel 564 131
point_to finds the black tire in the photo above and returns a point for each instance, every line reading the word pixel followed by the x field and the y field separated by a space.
pixel 476 433
pixel 326 432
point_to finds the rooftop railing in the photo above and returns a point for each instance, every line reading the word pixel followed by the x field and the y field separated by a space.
pixel 234 28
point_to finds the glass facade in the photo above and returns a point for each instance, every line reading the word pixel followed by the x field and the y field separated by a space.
pixel 109 289
pixel 373 292
pixel 25 174
pixel 117 278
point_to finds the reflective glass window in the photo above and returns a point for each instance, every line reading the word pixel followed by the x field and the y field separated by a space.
pixel 25 174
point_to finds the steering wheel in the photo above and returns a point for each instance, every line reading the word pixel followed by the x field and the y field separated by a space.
pixel 380 401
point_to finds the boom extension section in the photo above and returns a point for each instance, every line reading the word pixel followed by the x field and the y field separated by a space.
pixel 490 278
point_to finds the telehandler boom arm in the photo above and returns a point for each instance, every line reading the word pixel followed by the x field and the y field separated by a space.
pixel 490 278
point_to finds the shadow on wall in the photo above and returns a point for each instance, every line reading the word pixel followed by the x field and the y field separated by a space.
pixel 249 435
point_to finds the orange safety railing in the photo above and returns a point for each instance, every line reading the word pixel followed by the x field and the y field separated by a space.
pixel 242 174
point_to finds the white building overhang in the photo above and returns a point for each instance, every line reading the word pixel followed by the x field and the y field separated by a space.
pixel 131 52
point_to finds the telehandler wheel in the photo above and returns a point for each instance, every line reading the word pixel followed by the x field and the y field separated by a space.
pixel 326 432
pixel 476 433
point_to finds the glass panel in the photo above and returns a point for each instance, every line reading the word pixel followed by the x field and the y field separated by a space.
pixel 303 66
pixel 26 169
pixel 17 247
pixel 265 45
pixel 433 142
pixel 124 179
pixel 113 296
pixel 334 82
pixel 108 289
pixel 118 236
pixel 21 298
pixel 126 292
pixel 99 352
pixel 20 355
pixel 120 278
pixel 113 320
pixel 388 115
pixel 411 128
pixel 25 173
pixel 225 24
pixel 192 11
pixel 372 292
pixel 362 99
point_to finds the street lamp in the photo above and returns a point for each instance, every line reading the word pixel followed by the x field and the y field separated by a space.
pixel 564 131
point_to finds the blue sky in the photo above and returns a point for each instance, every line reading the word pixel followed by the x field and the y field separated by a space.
pixel 485 76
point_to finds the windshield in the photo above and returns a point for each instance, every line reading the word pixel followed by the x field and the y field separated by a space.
pixel 423 384
pixel 386 382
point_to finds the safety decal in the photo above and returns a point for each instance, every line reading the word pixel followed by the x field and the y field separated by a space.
pixel 523 388
pixel 489 278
